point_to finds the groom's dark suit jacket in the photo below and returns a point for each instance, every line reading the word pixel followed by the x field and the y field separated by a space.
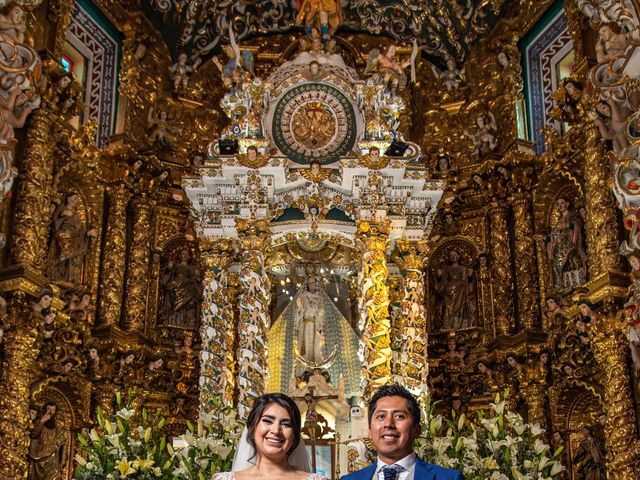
pixel 423 471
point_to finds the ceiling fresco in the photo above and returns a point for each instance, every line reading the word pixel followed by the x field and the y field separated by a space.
pixel 443 28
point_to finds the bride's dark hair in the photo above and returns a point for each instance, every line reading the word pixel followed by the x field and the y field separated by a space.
pixel 260 405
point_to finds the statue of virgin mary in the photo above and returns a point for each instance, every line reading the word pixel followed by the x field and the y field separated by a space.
pixel 311 333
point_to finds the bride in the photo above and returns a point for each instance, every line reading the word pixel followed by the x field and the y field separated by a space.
pixel 271 447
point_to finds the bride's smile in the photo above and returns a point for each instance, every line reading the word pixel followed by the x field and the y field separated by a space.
pixel 274 435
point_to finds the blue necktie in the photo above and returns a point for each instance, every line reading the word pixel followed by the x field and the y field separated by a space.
pixel 390 472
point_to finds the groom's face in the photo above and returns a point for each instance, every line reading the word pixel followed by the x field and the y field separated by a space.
pixel 392 430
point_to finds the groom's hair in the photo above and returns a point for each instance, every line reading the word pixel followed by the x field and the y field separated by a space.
pixel 396 390
pixel 260 405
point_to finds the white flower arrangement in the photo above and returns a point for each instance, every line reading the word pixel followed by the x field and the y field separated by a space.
pixel 209 445
pixel 127 444
pixel 499 446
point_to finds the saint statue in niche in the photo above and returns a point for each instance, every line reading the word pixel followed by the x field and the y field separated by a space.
pixel 565 248
pixel 454 283
pixel 47 451
pixel 182 291
pixel 309 314
pixel 70 242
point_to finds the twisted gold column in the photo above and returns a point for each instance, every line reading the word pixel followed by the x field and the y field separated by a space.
pixel 253 321
pixel 372 241
pixel 32 207
pixel 610 349
pixel 213 329
pixel 502 268
pixel 602 235
pixel 113 264
pixel 138 267
pixel 21 351
pixel 525 262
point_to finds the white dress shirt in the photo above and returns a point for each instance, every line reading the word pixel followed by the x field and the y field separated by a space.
pixel 408 465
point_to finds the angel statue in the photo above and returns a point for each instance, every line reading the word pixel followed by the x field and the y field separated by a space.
pixel 161 133
pixel 180 72
pixel 452 77
pixel 239 64
pixel 484 138
pixel 323 14
pixel 315 172
pixel 387 70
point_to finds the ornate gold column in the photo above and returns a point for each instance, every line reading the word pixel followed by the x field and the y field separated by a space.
pixel 501 267
pixel 525 262
pixel 113 264
pixel 213 329
pixel 20 353
pixel 411 326
pixel 138 262
pixel 32 207
pixel 253 303
pixel 602 235
pixel 372 242
pixel 610 349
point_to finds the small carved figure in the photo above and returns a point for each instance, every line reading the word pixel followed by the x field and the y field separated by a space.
pixel 125 369
pixel 455 284
pixel 589 458
pixel 45 296
pixel 47 451
pixel 388 71
pixel 454 356
pixel 565 249
pixel 515 362
pixel 452 77
pixel 161 133
pixel 323 14
pixel 252 158
pixel 70 242
pixel 181 72
pixel 239 65
pixel 315 172
pixel 610 118
pixel 14 110
pixel 612 42
pixel 555 314
pixel 181 291
pixel 490 380
pixel 13 25
pixel 484 139
pixel 94 368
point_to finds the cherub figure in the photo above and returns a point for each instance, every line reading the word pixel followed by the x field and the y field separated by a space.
pixel 181 72
pixel 252 158
pixel 484 137
pixel 315 172
pixel 13 25
pixel 374 160
pixel 612 42
pixel 610 118
pixel 388 70
pixel 160 130
pixel 452 77
pixel 14 110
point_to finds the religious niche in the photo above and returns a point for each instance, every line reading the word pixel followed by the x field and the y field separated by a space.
pixel 71 238
pixel 313 329
pixel 565 244
pixel 180 287
pixel 452 283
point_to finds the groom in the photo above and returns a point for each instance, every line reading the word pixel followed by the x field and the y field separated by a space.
pixel 394 423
